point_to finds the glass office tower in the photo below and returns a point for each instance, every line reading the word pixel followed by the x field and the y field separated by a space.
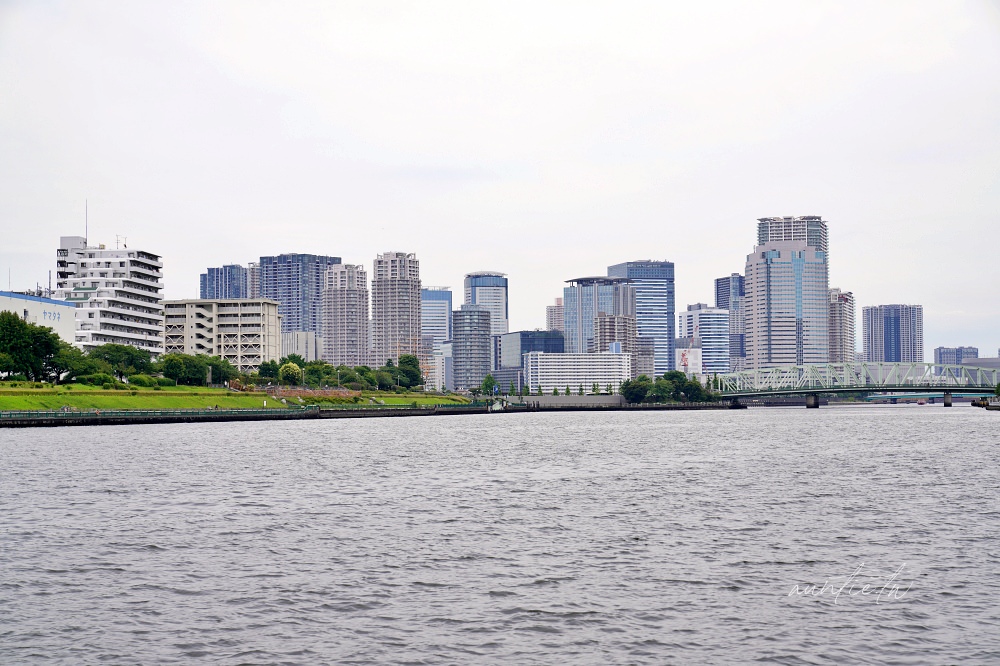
pixel 654 306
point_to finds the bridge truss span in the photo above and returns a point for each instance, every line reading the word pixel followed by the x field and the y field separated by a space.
pixel 848 377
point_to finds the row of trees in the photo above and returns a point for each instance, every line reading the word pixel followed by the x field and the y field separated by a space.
pixel 294 370
pixel 674 386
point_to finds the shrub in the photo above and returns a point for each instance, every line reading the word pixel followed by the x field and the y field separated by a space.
pixel 142 380
pixel 97 379
pixel 106 386
pixel 157 388
pixel 165 381
pixel 133 392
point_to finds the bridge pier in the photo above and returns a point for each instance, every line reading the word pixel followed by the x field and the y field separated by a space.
pixel 947 398
pixel 812 401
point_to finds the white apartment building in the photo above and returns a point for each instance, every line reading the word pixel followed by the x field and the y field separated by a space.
pixel 557 371
pixel 395 307
pixel 345 315
pixel 842 328
pixel 244 331
pixel 116 293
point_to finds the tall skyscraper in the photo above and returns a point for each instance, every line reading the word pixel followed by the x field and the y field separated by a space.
pixel 489 289
pixel 395 307
pixel 711 327
pixel 727 288
pixel 296 281
pixel 653 282
pixel 435 314
pixel 554 316
pixel 786 307
pixel 226 282
pixel 584 299
pixel 893 333
pixel 116 292
pixel 345 315
pixel 729 294
pixel 435 330
pixel 471 347
pixel 842 337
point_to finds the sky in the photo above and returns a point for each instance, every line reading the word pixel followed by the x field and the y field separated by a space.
pixel 545 140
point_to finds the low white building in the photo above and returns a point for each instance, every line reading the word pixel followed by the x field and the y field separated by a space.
pixel 60 316
pixel 557 371
pixel 244 331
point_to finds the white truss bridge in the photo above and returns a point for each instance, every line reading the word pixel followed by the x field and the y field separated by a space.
pixel 849 377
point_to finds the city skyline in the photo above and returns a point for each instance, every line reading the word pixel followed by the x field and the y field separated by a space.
pixel 242 143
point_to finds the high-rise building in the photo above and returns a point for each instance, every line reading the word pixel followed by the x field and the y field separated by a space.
pixel 395 307
pixel 116 292
pixel 729 294
pixel 584 299
pixel 893 333
pixel 809 229
pixel 435 314
pixel 786 306
pixel 554 316
pixel 471 348
pixel 296 282
pixel 711 327
pixel 244 331
pixel 953 356
pixel 653 282
pixel 727 288
pixel 842 337
pixel 345 316
pixel 306 344
pixel 226 282
pixel 489 289
pixel 513 347
pixel 253 280
pixel 435 330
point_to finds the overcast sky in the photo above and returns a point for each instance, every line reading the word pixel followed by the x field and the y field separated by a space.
pixel 544 140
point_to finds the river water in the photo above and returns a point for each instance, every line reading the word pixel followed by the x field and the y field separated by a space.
pixel 681 537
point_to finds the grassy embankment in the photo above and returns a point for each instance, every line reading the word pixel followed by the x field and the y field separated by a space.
pixel 79 396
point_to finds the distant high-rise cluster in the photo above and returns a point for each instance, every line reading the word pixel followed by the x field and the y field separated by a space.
pixel 229 281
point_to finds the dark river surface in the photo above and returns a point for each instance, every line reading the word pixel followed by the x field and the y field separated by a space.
pixel 790 536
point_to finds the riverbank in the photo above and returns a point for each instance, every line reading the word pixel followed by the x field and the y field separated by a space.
pixel 96 417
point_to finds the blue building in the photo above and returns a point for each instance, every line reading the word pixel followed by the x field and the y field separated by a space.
pixel 728 288
pixel 436 315
pixel 513 347
pixel 228 281
pixel 489 289
pixel 584 299
pixel 654 306
pixel 296 282
pixel 893 333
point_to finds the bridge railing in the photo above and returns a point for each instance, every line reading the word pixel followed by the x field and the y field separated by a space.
pixel 857 376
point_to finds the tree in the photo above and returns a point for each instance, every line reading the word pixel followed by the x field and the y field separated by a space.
pixel 290 373
pixel 409 368
pixel 636 390
pixel 567 390
pixel 662 390
pixel 125 360
pixel 580 391
pixel 293 358
pixel 268 370
pixel 27 349
pixel 555 391
pixel 595 389
pixel 610 391
pixel 383 380
pixel 538 391
pixel 488 386
pixel 512 390
pixel 222 370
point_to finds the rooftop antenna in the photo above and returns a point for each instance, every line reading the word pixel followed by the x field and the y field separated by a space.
pixel 86 223
pixel 121 239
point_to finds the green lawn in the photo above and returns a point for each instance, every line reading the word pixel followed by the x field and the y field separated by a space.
pixel 81 396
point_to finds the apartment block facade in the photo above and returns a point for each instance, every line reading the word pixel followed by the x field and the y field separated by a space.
pixel 244 331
